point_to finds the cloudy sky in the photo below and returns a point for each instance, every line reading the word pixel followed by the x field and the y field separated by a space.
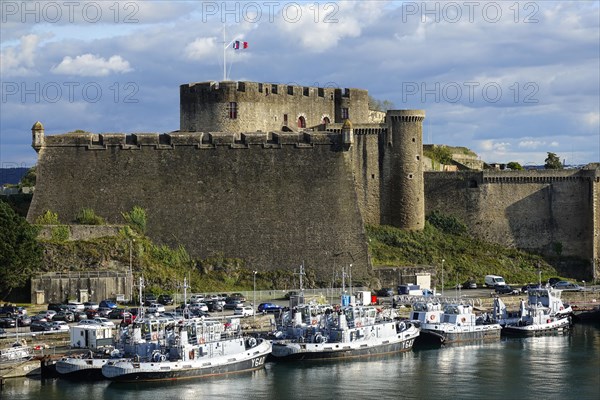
pixel 511 80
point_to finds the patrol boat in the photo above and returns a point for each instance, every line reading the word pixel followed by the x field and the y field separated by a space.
pixel 316 332
pixel 198 348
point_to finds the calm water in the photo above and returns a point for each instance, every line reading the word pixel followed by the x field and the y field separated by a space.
pixel 554 367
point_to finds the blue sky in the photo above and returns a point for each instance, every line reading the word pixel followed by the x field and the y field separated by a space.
pixel 511 80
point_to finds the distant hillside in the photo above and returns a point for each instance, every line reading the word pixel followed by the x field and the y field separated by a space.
pixel 11 175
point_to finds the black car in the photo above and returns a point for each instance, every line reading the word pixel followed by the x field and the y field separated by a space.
pixel 7 323
pixel 525 288
pixel 214 305
pixel 57 307
pixel 385 292
pixel 149 299
pixel 40 326
pixel 116 313
pixel 23 320
pixel 505 289
pixel 7 311
pixel 165 299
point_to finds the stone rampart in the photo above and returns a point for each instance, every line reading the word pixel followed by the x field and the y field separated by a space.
pixel 274 199
pixel 551 211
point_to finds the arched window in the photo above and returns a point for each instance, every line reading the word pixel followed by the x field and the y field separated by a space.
pixel 301 122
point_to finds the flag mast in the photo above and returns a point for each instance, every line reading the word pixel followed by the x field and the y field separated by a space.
pixel 224 56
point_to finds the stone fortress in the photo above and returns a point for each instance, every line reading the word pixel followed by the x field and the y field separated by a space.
pixel 281 174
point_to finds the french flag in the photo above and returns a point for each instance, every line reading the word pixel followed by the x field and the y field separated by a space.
pixel 240 45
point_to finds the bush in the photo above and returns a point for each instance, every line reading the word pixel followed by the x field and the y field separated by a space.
pixel 136 219
pixel 87 216
pixel 49 218
pixel 60 233
pixel 447 223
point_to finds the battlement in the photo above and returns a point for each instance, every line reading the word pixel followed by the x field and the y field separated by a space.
pixel 200 140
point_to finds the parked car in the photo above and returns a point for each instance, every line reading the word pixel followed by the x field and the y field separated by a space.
pixel 90 305
pixel 103 321
pixel 57 306
pixel 165 299
pixel 7 323
pixel 48 314
pixel 469 284
pixel 494 280
pixel 569 286
pixel 290 294
pixel 149 299
pixel 245 311
pixel 215 305
pixel 238 296
pixel 79 316
pixel 39 317
pixel 233 304
pixel 269 308
pixel 75 306
pixel 525 288
pixel 107 304
pixel 506 289
pixel 156 308
pixel 40 326
pixel 553 281
pixel 383 292
pixel 116 313
pixel 102 312
pixel 23 320
pixel 11 311
pixel 59 326
pixel 66 316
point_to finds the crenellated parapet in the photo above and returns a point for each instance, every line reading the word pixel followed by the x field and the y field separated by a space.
pixel 199 140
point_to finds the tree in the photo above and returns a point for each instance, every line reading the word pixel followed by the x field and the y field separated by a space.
pixel 515 166
pixel 378 105
pixel 553 162
pixel 20 252
pixel 29 178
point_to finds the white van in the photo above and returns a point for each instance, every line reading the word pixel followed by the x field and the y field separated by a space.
pixel 494 280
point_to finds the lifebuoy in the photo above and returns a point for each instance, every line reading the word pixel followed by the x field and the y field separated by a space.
pixel 314 322
pixel 201 340
pixel 358 324
pixel 463 319
pixel 192 354
pixel 561 308
pixel 432 317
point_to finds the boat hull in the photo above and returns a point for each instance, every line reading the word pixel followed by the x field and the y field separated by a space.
pixel 444 337
pixel 552 328
pixel 79 369
pixel 131 371
pixel 293 351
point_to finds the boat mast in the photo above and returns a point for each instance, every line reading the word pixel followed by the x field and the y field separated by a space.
pixel 141 311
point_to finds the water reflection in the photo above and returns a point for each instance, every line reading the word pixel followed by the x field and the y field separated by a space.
pixel 565 366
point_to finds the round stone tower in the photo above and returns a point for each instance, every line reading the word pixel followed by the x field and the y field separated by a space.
pixel 402 187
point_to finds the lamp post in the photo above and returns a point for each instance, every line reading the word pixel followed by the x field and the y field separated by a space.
pixel 443 261
pixel 584 300
pixel 254 298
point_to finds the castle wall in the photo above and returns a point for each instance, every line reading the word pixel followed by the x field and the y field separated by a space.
pixel 273 199
pixel 261 106
pixel 541 211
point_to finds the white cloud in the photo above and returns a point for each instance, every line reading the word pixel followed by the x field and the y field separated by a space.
pixel 592 118
pixel 92 65
pixel 20 60
pixel 201 48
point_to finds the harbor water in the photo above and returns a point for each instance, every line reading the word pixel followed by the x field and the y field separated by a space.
pixel 565 366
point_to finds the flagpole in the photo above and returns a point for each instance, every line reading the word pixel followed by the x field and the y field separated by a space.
pixel 224 56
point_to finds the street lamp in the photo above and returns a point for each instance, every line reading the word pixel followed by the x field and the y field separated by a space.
pixel 254 298
pixel 443 261
pixel 584 300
